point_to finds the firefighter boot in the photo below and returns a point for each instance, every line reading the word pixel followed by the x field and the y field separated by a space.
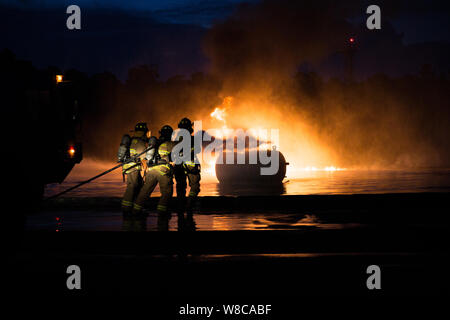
pixel 127 209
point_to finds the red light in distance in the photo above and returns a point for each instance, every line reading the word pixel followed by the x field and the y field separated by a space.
pixel 71 151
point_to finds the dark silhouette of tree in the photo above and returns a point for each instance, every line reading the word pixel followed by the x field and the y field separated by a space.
pixel 142 76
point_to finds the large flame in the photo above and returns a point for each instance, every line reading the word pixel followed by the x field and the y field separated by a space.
pixel 301 148
pixel 219 114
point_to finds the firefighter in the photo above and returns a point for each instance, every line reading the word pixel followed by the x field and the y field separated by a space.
pixel 189 170
pixel 160 170
pixel 129 148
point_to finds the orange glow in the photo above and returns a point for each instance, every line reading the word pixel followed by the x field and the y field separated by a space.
pixel 209 168
pixel 298 140
pixel 227 101
pixel 59 78
pixel 71 151
pixel 218 114
pixel 331 168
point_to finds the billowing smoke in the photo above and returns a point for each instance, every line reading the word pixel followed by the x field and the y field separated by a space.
pixel 262 43
pixel 258 57
pixel 378 122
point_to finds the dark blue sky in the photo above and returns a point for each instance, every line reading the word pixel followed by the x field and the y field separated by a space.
pixel 418 23
pixel 118 34
pixel 198 12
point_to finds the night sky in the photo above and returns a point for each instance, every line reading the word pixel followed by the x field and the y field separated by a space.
pixel 117 34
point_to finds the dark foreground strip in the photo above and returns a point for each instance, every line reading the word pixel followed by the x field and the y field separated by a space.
pixel 364 239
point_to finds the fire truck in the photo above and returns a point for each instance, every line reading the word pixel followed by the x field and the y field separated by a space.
pixel 53 120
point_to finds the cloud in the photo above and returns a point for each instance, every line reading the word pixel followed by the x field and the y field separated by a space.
pixel 203 12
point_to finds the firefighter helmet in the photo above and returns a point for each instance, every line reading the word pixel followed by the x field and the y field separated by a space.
pixel 185 123
pixel 166 132
pixel 141 126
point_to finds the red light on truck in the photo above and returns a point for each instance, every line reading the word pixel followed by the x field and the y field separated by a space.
pixel 71 151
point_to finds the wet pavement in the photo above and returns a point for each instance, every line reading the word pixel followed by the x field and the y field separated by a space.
pixel 297 182
pixel 238 246
pixel 60 221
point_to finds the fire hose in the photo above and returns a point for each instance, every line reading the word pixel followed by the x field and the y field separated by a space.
pixel 101 174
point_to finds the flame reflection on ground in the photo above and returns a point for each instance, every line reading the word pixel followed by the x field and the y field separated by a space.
pixel 303 181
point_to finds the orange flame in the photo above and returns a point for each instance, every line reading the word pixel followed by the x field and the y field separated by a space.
pixel 218 114
pixel 303 154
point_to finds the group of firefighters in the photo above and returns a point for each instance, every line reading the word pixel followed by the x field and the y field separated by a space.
pixel 149 161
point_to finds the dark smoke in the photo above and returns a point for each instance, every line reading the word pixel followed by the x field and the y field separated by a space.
pixel 256 56
pixel 267 41
pixel 379 121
